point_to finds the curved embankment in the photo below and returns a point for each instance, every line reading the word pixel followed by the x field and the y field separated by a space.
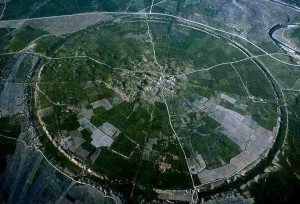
pixel 43 125
pixel 278 42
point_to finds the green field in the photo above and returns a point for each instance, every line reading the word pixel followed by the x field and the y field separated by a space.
pixel 149 100
pixel 31 8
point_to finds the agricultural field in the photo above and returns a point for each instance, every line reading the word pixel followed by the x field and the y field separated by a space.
pixel 151 94
pixel 146 100
pixel 30 8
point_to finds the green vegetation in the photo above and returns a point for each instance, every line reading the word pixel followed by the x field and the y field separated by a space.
pixel 86 135
pixel 67 121
pixel 199 136
pixel 215 149
pixel 7 147
pixel 123 145
pixel 295 33
pixel 48 44
pixel 265 114
pixel 227 80
pixel 284 189
pixel 210 122
pixel 294 135
pixel 175 180
pixel 115 62
pixel 53 154
pixel 203 49
pixel 255 80
pixel 286 76
pixel 62 119
pixel 31 8
pixel 64 7
pixel 115 166
pixel 161 88
pixel 5 62
pixel 23 37
pixel 5 37
pixel 20 9
pixel 88 147
pixel 169 152
pixel 10 126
